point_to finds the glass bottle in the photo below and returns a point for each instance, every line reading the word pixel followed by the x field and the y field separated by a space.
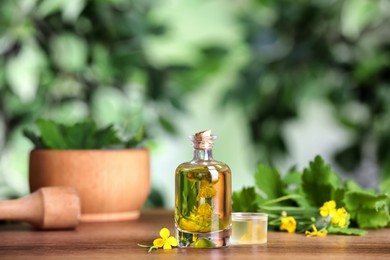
pixel 203 197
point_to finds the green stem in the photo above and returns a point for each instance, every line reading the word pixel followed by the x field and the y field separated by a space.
pixel 287 208
pixel 270 215
pixel 283 198
pixel 151 248
pixel 305 222
pixel 143 245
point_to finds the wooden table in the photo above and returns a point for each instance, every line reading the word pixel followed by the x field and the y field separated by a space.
pixel 119 240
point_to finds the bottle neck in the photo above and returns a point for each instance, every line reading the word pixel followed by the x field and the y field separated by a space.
pixel 203 154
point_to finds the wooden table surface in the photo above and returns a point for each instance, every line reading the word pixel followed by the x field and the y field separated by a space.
pixel 119 240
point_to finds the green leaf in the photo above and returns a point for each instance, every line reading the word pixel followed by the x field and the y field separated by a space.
pixel 293 178
pixel 346 231
pixel 49 7
pixel 319 182
pixel 356 15
pixel 51 134
pixel 269 181
pixel 385 186
pixel 245 200
pixel 80 135
pixel 69 52
pixel 136 139
pixel 364 200
pixel 300 200
pixel 367 210
pixel 371 65
pixel 71 9
pixel 106 137
pixel 23 71
pixel 34 138
pixel 101 66
pixel 83 135
pixel 338 197
pixel 351 185
pixel 370 218
pixel 167 125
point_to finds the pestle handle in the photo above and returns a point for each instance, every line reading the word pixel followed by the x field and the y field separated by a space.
pixel 46 208
pixel 25 209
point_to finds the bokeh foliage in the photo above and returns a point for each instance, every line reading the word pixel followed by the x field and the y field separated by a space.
pixel 71 60
pixel 333 51
pixel 132 62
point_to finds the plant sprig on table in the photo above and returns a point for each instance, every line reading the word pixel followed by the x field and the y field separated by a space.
pixel 293 202
pixel 165 241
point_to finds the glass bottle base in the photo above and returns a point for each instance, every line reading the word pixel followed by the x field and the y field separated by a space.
pixel 213 239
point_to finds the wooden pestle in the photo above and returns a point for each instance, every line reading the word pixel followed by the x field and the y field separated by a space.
pixel 46 208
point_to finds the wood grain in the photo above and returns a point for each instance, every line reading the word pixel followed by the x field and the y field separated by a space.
pixel 118 240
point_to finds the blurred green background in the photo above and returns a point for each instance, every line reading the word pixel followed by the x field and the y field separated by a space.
pixel 277 81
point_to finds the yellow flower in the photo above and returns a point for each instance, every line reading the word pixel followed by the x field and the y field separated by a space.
pixel 328 209
pixel 340 217
pixel 205 210
pixel 289 224
pixel 165 241
pixel 200 219
pixel 206 190
pixel 189 225
pixel 315 232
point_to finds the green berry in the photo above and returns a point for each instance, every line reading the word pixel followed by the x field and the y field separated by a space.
pixel 204 243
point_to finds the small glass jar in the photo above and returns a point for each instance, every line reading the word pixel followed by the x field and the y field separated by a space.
pixel 203 197
pixel 249 228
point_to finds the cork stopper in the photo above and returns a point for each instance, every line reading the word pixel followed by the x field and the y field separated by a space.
pixel 203 140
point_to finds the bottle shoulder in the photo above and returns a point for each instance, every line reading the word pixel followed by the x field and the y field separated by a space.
pixel 203 165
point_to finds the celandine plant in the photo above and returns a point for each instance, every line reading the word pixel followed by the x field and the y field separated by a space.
pixel 315 201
